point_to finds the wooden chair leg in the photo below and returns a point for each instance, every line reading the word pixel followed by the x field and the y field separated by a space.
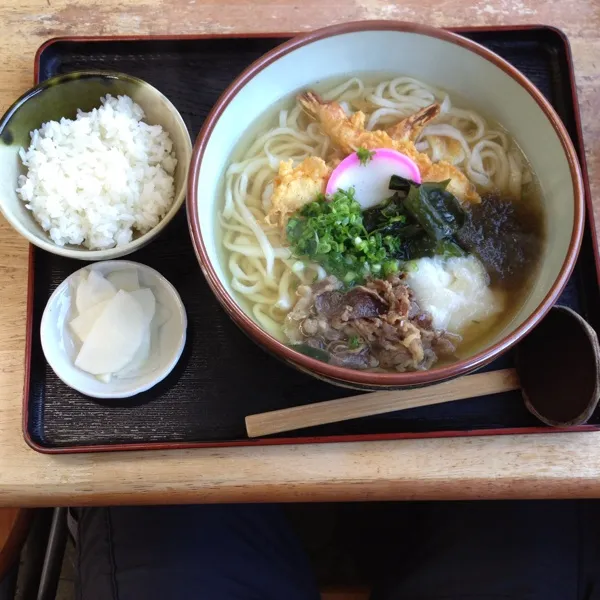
pixel 14 525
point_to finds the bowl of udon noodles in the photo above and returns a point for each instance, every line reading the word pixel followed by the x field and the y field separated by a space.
pixel 384 204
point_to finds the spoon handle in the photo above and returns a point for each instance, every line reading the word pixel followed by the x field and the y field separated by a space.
pixel 377 403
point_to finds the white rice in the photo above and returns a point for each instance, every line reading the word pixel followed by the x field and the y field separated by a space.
pixel 92 181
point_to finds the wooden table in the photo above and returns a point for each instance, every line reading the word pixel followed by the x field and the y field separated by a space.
pixel 542 466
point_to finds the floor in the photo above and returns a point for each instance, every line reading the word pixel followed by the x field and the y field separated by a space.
pixel 66 585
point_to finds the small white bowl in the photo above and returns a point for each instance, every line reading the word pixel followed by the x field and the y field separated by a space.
pixel 60 97
pixel 60 350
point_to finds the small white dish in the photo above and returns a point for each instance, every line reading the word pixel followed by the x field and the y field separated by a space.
pixel 60 349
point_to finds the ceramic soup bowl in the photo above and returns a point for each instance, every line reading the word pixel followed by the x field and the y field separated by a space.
pixel 442 59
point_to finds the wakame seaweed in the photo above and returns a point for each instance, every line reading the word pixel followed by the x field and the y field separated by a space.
pixel 401 184
pixel 317 353
pixel 435 209
pixel 418 220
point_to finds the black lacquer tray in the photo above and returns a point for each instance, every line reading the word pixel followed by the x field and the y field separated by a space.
pixel 223 376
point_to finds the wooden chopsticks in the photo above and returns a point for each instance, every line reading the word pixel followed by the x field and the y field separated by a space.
pixel 377 403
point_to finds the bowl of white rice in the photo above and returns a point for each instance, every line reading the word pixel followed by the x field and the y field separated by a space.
pixel 93 165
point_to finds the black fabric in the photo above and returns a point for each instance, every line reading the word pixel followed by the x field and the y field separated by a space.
pixel 486 551
pixel 222 552
pixel 407 551
pixel 8 583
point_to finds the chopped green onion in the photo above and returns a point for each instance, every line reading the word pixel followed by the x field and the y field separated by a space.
pixel 364 156
pixel 353 342
pixel 330 232
pixel 390 267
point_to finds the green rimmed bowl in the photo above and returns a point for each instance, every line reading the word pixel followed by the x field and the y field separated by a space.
pixel 60 97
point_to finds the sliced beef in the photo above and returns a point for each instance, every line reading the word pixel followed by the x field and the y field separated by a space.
pixel 398 358
pixel 397 295
pixel 328 284
pixel 310 327
pixel 365 303
pixel 304 307
pixel 357 303
pixel 361 359
pixel 328 304
pixel 375 325
pixel 423 320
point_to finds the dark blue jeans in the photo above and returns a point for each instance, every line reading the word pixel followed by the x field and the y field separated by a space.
pixel 412 551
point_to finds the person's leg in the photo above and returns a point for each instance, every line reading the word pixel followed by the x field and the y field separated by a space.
pixel 493 550
pixel 222 552
pixel 8 584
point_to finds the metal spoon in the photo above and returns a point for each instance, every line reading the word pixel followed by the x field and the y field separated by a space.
pixel 558 368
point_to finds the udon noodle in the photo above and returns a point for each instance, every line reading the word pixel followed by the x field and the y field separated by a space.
pixel 262 268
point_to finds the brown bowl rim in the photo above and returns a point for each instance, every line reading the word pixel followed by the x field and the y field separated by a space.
pixel 342 374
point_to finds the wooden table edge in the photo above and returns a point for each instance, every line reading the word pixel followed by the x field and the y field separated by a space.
pixel 510 488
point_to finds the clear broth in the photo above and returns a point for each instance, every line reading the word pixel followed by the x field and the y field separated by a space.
pixel 479 335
